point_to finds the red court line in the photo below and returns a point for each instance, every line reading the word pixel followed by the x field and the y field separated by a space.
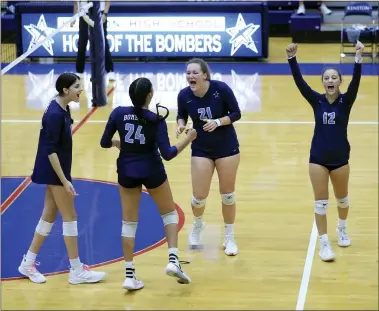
pixel 27 181
pixel 142 251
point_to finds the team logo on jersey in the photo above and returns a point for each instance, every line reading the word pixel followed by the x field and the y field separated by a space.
pixel 242 34
pixel 39 33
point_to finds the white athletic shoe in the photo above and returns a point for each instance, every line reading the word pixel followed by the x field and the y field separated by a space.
pixel 230 246
pixel 195 234
pixel 326 251
pixel 325 10
pixel 30 270
pixel 131 282
pixel 301 9
pixel 176 271
pixel 85 275
pixel 343 238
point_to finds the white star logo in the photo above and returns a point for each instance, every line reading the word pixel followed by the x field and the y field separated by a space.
pixel 247 91
pixel 241 34
pixel 39 33
pixel 215 94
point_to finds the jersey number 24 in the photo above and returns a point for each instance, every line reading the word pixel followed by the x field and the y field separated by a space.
pixel 136 132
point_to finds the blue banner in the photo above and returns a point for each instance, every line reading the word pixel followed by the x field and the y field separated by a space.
pixel 152 35
pixel 246 84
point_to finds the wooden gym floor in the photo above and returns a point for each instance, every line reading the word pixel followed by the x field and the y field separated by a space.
pixel 278 266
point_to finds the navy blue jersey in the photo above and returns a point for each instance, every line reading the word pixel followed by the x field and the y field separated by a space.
pixel 139 156
pixel 218 102
pixel 330 144
pixel 55 137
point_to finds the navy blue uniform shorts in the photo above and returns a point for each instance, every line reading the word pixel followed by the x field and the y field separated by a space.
pixel 214 156
pixel 152 181
pixel 329 167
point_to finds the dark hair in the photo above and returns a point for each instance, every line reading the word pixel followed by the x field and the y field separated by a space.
pixel 138 91
pixel 203 66
pixel 64 81
pixel 332 68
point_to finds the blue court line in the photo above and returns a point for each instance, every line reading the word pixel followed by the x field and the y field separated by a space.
pixel 223 68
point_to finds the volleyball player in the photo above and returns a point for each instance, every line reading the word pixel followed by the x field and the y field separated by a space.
pixel 53 169
pixel 330 149
pixel 139 163
pixel 213 109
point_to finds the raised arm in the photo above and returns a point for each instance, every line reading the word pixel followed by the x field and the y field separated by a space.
pixel 303 87
pixel 352 90
pixel 109 131
pixel 167 151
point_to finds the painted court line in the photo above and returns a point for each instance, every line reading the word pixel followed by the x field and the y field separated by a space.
pixel 307 269
pixel 27 181
pixel 238 122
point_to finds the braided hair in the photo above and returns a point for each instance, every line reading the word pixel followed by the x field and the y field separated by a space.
pixel 138 91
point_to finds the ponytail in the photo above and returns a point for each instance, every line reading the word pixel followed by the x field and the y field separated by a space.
pixel 138 91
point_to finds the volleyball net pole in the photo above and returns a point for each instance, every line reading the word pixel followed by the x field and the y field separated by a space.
pixel 97 53
pixel 97 49
pixel 82 11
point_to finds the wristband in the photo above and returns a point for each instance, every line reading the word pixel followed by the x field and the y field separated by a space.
pixel 218 122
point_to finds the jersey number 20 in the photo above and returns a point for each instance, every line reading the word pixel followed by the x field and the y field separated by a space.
pixel 130 130
pixel 328 118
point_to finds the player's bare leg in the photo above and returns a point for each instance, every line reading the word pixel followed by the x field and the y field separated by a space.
pixel 44 226
pixel 130 198
pixel 201 172
pixel 227 172
pixel 340 180
pixel 162 196
pixel 319 176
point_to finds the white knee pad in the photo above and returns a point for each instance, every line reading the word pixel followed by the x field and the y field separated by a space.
pixel 198 203
pixel 129 229
pixel 344 202
pixel 321 207
pixel 170 218
pixel 70 228
pixel 44 227
pixel 228 198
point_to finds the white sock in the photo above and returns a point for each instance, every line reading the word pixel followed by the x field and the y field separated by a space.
pixel 129 264
pixel 173 250
pixel 129 273
pixel 342 223
pixel 199 219
pixel 173 255
pixel 229 229
pixel 75 263
pixel 30 257
pixel 324 238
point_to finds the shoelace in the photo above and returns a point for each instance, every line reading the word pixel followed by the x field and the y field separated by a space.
pixel 342 231
pixel 33 268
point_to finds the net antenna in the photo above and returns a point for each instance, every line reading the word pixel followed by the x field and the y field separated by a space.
pixel 82 11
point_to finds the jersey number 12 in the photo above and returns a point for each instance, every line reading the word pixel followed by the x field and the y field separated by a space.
pixel 130 130
pixel 328 118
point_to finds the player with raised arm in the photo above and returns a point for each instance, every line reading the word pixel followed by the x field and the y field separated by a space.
pixel 330 148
